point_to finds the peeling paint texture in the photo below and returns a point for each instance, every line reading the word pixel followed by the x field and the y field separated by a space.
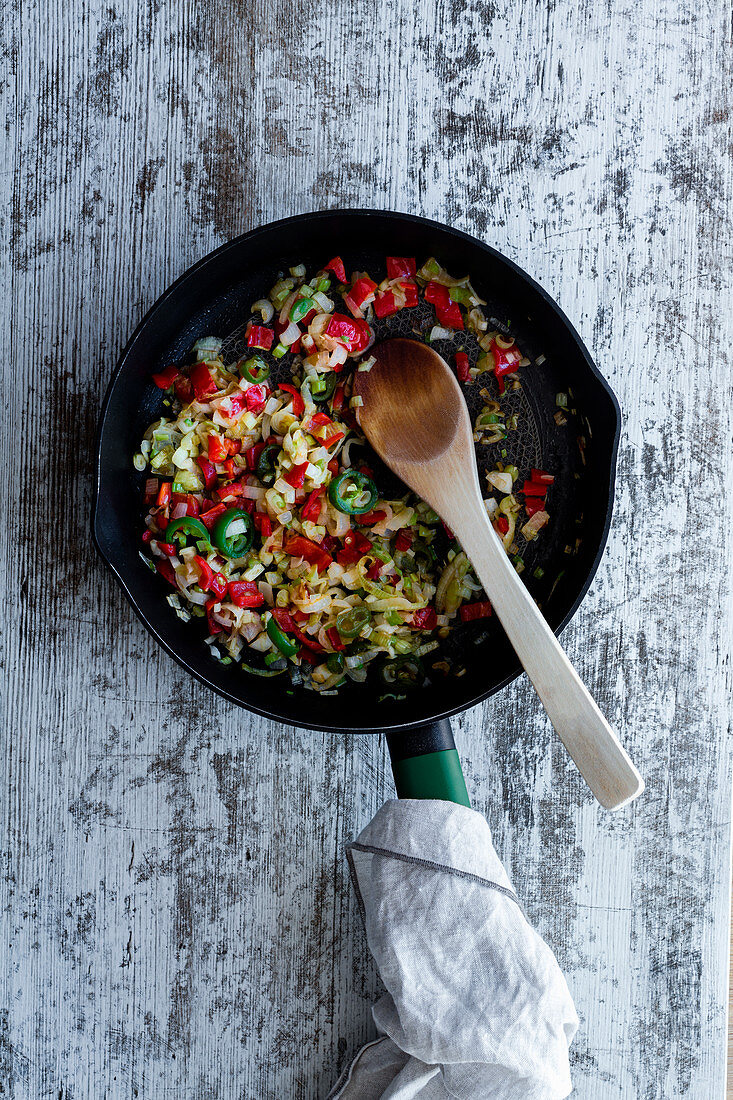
pixel 176 915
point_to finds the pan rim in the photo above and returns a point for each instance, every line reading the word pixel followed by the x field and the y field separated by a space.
pixel 212 258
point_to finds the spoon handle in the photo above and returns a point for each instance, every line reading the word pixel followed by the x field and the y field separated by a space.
pixel 597 752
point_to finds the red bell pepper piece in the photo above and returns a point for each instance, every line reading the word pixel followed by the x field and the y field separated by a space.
pixel 333 467
pixel 450 316
pixel 503 524
pixel 343 328
pixel 209 518
pixel 296 475
pixel 368 518
pixel 319 420
pixel 311 510
pixel 374 570
pixel 462 367
pixel 298 402
pixel 192 505
pixel 255 398
pixel 233 406
pixel 252 454
pixel 337 266
pixel 202 382
pixel 166 570
pixel 164 494
pixel 426 619
pixel 283 619
pixel 300 547
pixel 229 467
pixel 535 489
pixel 183 390
pixel 385 305
pixel 217 450
pixel 400 265
pixel 165 378
pixel 147 535
pixel 541 475
pixel 437 295
pixel 337 401
pixel 403 540
pixel 534 504
pixel 233 446
pixel 479 610
pixel 502 364
pixel 356 546
pixel 306 640
pixel 259 336
pixel 245 594
pixel 218 585
pixel 206 573
pixel 448 531
pixel 306 655
pixel 411 297
pixel 208 470
pixel 166 548
pixel 362 292
pixel 214 627
pixel 364 336
pixel 335 639
pixel 263 524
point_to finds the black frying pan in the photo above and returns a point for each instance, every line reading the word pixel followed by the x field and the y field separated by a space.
pixel 214 298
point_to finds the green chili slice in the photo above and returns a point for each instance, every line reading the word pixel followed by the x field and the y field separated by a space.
pixel 335 662
pixel 301 307
pixel 353 492
pixel 327 384
pixel 180 531
pixel 352 622
pixel 279 639
pixel 406 671
pixel 255 369
pixel 263 671
pixel 266 463
pixel 233 544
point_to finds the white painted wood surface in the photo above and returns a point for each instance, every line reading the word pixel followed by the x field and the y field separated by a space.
pixel 177 920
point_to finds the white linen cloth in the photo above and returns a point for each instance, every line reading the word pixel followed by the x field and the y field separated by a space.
pixel 476 1005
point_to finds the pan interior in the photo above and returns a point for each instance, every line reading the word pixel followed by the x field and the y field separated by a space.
pixel 215 299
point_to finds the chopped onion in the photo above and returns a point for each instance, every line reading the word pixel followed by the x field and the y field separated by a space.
pixel 438 333
pixel 290 334
pixel 252 492
pixel 265 308
pixel 178 511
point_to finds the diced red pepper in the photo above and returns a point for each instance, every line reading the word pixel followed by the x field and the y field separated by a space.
pixel 192 505
pixel 164 494
pixel 333 467
pixel 306 640
pixel 337 266
pixel 166 570
pixel 218 585
pixel 306 655
pixel 542 475
pixel 426 619
pixel 462 367
pixel 535 489
pixel 356 546
pixel 311 510
pixel 252 454
pixel 385 305
pixel 165 378
pixel 255 398
pixel 534 504
pixel 206 574
pixel 400 265
pixel 362 292
pixel 343 328
pixel 437 294
pixel 147 535
pixel 259 336
pixel 214 627
pixel 233 446
pixel 502 364
pixel 368 518
pixel 245 594
pixel 209 518
pixel 233 406
pixel 337 401
pixel 404 539
pixel 202 382
pixel 298 402
pixel 448 531
pixel 166 548
pixel 208 470
pixel 183 390
pixel 471 611
pixel 335 639
pixel 300 547
pixel 450 316
pixel 374 570
pixel 296 475
pixel 230 468
pixel 263 524
pixel 217 450
pixel 411 297
pixel 502 524
pixel 365 335
pixel 283 619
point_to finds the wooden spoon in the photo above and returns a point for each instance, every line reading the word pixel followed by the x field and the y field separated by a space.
pixel 416 419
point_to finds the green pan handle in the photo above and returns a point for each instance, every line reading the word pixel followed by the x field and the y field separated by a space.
pixel 425 764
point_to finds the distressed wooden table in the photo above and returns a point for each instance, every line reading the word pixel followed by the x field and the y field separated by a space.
pixel 177 919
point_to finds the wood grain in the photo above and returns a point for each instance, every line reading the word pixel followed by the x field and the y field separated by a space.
pixel 176 916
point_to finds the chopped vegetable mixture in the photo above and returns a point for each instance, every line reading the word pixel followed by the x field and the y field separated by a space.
pixel 264 514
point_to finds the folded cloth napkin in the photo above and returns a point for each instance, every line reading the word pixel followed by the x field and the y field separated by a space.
pixel 476 1005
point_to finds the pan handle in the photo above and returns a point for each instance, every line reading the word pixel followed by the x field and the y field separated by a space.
pixel 425 764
